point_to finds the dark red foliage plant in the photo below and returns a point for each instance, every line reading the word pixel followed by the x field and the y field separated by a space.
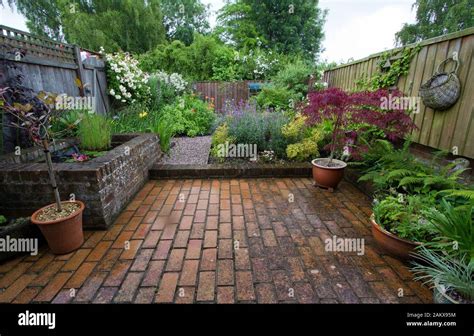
pixel 386 109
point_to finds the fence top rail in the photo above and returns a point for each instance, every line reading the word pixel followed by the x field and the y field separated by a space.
pixel 32 38
pixel 447 37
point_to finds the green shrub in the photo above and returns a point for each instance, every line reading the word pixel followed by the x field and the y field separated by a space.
pixel 134 119
pixel 3 220
pixel 220 137
pixel 275 97
pixel 66 124
pixel 294 77
pixel 165 132
pixel 303 140
pixel 162 94
pixel 404 216
pixel 95 132
pixel 189 116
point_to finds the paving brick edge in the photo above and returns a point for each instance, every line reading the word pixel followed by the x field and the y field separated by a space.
pixel 160 171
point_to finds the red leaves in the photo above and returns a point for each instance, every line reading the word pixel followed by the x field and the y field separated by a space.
pixel 382 108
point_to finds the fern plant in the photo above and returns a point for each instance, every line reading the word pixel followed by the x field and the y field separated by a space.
pixel 403 216
pixel 402 171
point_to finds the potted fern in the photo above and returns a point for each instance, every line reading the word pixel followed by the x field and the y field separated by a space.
pixel 61 222
pixel 398 223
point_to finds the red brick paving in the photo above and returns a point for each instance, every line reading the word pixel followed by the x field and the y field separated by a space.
pixel 221 241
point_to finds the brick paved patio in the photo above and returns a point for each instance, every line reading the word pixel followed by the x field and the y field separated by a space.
pixel 221 241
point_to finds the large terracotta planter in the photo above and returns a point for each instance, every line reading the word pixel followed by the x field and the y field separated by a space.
pixel 328 177
pixel 395 246
pixel 63 235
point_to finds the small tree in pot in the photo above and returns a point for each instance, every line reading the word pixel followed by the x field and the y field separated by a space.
pixel 60 223
pixel 344 109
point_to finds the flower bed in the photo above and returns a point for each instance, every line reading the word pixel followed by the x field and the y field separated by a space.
pixel 105 184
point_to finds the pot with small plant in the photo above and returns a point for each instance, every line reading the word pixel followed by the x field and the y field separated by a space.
pixel 61 222
pixel 398 224
pixel 447 263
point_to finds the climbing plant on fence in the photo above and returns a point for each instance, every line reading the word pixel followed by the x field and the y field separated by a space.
pixel 390 68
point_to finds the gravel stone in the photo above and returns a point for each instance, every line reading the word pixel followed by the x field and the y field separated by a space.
pixel 188 151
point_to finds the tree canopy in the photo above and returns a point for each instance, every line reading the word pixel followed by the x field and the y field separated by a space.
pixel 130 25
pixel 184 18
pixel 435 18
pixel 287 26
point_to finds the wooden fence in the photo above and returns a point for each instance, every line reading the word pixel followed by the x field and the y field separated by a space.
pixel 56 67
pixel 223 92
pixel 451 130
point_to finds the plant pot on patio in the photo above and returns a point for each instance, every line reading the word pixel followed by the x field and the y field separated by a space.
pixel 328 173
pixel 63 231
pixel 395 246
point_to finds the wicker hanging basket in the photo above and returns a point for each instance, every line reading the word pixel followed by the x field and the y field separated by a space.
pixel 443 89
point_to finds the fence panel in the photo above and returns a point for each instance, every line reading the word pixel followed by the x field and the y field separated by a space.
pixel 223 92
pixel 55 67
pixel 447 130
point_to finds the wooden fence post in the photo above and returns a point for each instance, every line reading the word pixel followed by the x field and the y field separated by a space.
pixel 80 69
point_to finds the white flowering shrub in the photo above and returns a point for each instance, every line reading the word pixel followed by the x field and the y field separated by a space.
pixel 175 80
pixel 257 64
pixel 126 81
pixel 165 88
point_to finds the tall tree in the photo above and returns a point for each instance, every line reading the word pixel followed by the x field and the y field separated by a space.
pixel 236 27
pixel 130 25
pixel 435 18
pixel 288 26
pixel 183 18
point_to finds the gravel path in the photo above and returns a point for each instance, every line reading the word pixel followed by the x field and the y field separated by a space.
pixel 188 151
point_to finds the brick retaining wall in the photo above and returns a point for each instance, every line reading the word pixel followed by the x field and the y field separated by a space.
pixel 106 184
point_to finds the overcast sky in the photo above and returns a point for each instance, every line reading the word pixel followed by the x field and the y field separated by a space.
pixel 354 28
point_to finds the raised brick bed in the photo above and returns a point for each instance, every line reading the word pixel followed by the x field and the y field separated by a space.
pixel 106 184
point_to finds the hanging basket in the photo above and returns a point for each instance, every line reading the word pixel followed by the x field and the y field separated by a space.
pixel 443 89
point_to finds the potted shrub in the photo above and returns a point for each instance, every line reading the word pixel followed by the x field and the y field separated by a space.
pixel 348 111
pixel 333 104
pixel 447 263
pixel 61 222
pixel 398 224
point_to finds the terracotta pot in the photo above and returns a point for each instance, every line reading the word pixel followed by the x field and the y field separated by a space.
pixel 63 235
pixel 328 177
pixel 396 246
